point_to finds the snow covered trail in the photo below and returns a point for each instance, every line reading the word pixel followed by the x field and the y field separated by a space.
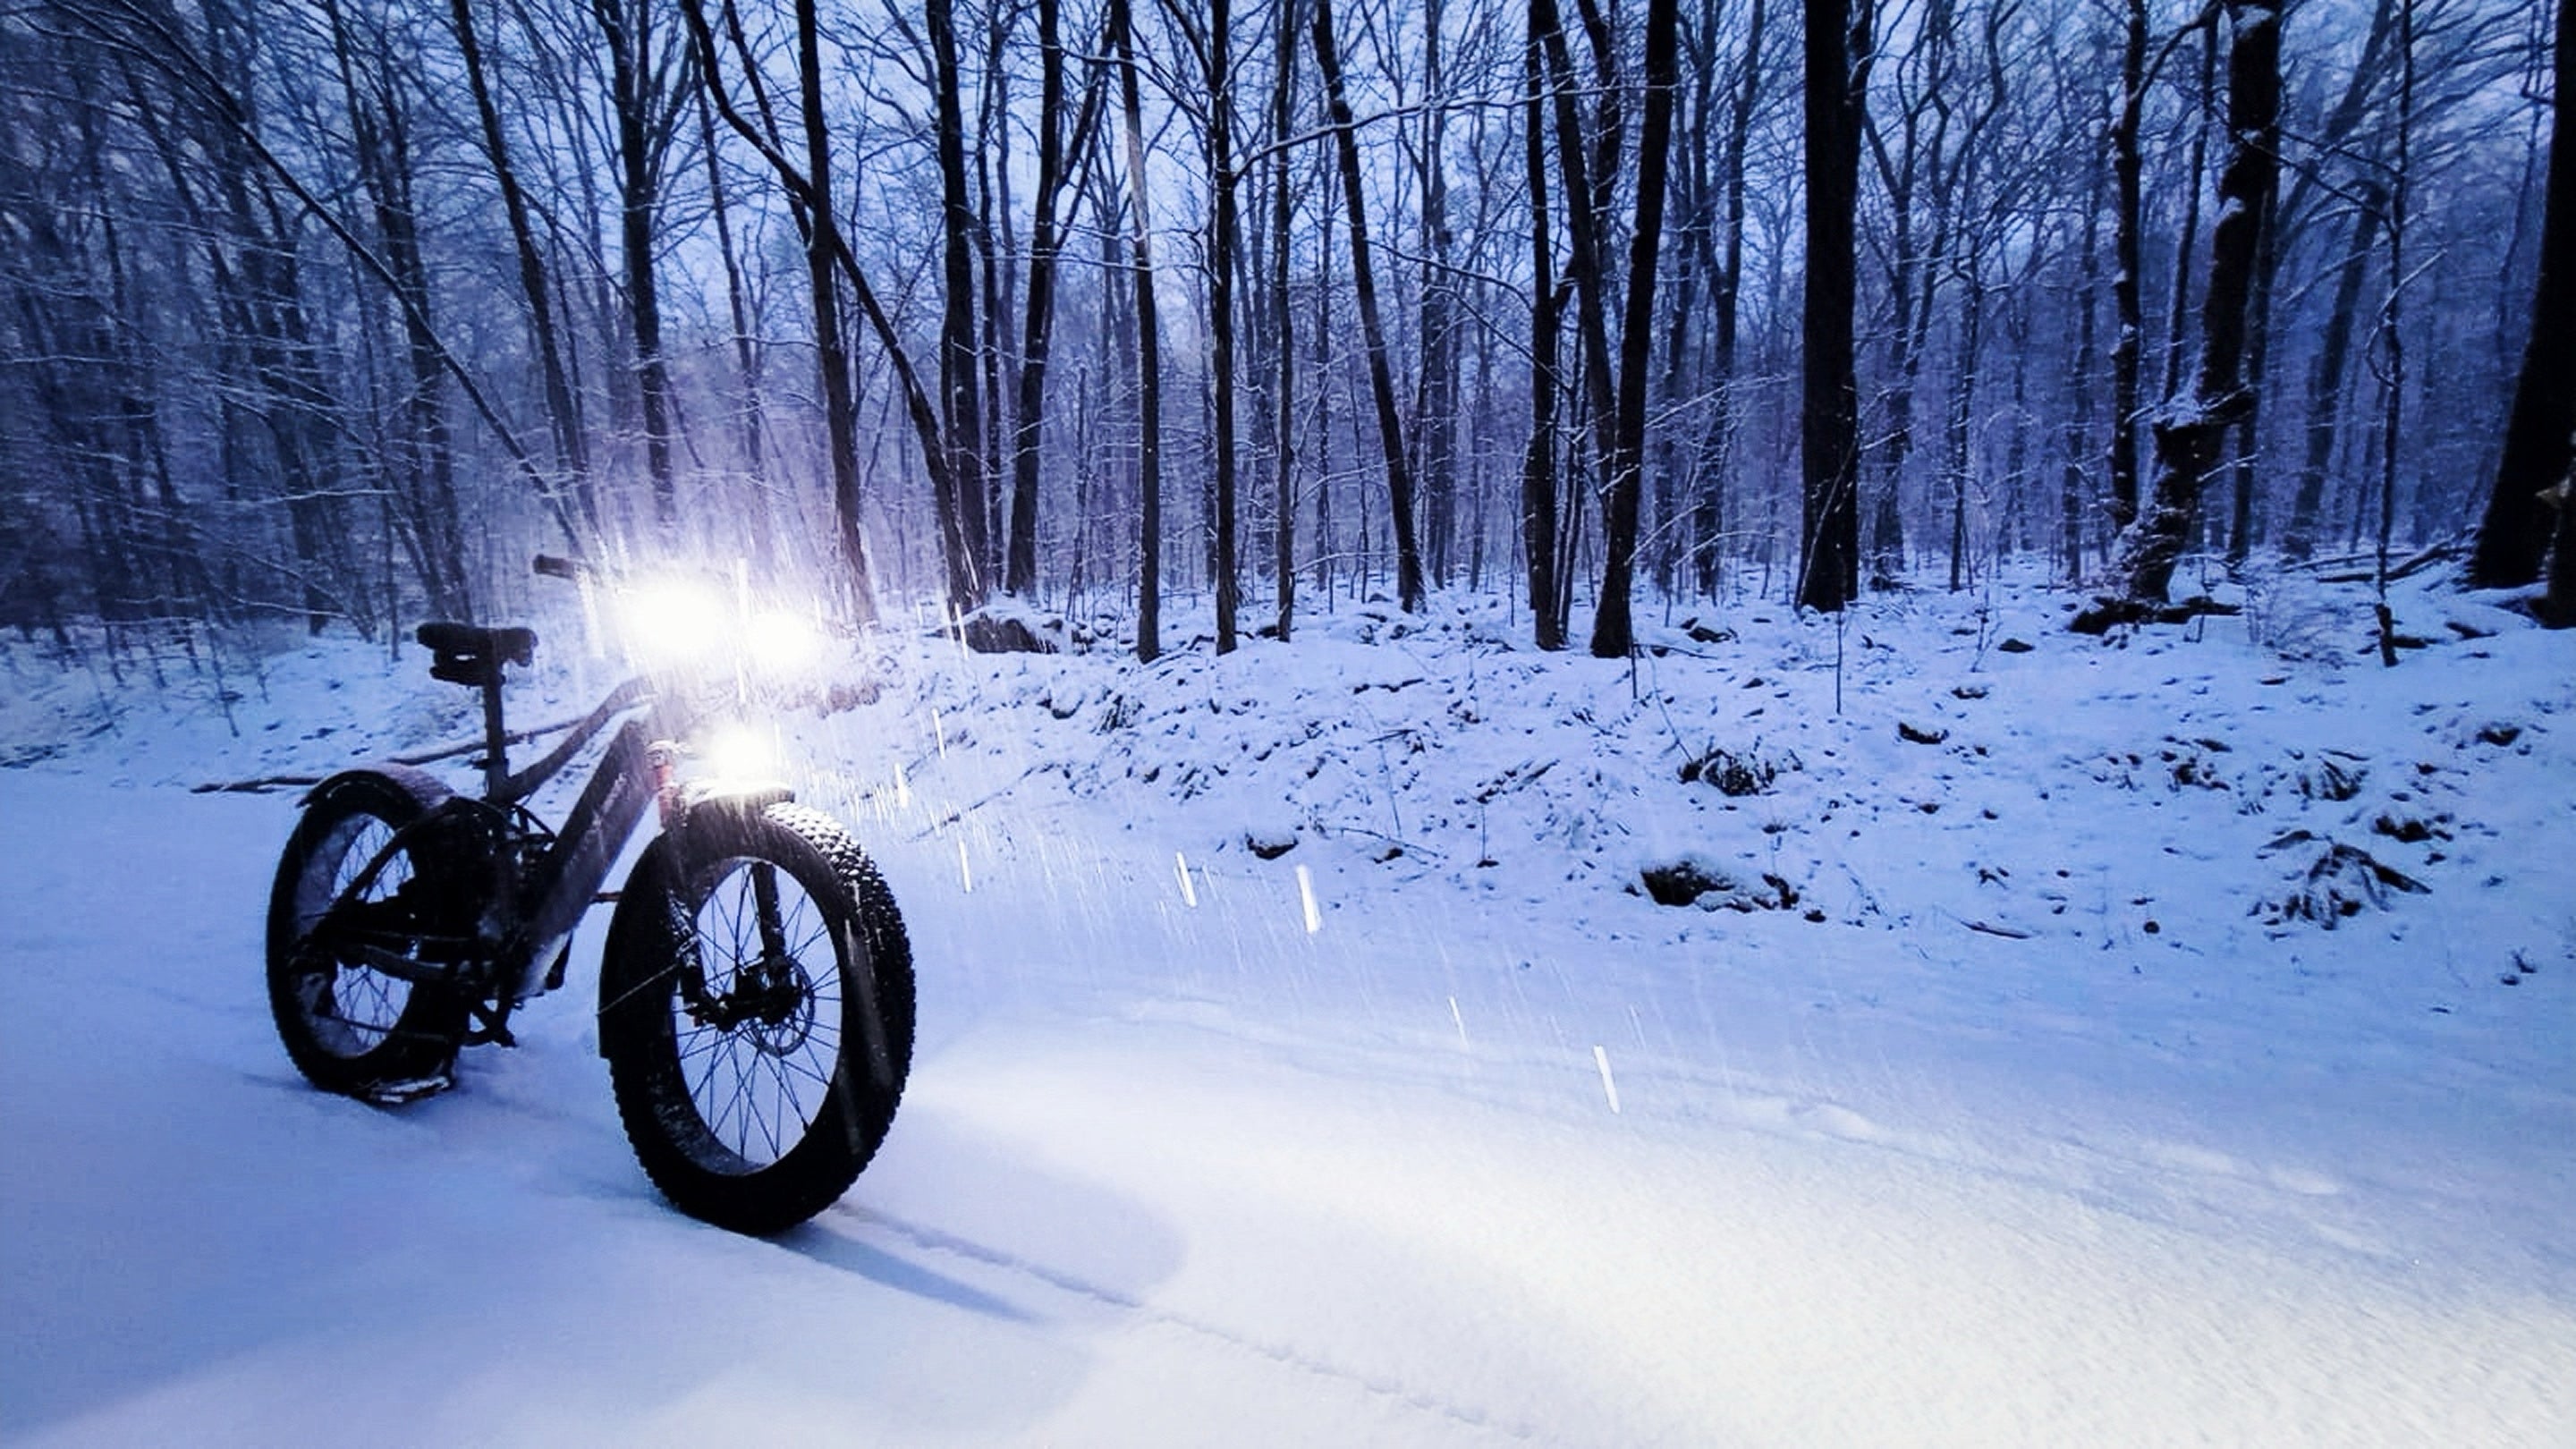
pixel 1185 1173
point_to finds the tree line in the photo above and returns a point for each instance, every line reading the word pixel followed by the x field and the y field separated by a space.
pixel 328 311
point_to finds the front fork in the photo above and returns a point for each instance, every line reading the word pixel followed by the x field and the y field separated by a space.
pixel 754 980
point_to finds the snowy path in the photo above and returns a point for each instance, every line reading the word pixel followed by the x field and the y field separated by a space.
pixel 1187 1175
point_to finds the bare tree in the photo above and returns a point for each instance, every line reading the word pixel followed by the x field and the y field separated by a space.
pixel 1839 46
pixel 1149 345
pixel 2188 436
pixel 2532 500
pixel 1390 426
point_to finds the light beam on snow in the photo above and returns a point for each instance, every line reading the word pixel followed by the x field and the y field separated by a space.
pixel 939 732
pixel 1189 893
pixel 1306 895
pixel 1462 1023
pixel 966 871
pixel 902 788
pixel 1609 1088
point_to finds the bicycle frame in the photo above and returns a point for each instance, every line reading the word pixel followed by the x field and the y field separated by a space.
pixel 538 900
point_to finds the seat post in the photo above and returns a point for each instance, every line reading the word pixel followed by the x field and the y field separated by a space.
pixel 496 765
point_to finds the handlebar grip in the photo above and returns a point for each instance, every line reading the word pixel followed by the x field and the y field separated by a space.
pixel 558 568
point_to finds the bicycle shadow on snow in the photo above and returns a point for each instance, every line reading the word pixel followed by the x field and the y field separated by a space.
pixel 950 1213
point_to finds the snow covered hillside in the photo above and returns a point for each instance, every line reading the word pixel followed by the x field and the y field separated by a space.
pixel 1936 1030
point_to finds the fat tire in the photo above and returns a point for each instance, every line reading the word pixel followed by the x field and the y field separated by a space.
pixel 643 1014
pixel 332 840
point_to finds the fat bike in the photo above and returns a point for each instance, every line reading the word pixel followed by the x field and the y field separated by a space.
pixel 755 988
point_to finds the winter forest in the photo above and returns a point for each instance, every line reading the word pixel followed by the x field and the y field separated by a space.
pixel 1564 722
pixel 335 311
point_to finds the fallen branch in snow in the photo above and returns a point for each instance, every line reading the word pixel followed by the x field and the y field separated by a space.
pixel 2447 549
pixel 2108 612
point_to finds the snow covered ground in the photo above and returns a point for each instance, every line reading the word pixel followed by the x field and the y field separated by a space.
pixel 1999 1082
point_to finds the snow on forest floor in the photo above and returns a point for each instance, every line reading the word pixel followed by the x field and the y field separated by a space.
pixel 2138 1041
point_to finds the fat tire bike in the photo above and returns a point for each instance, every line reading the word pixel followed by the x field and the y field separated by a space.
pixel 755 987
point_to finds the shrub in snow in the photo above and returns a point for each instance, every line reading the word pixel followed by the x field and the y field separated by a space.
pixel 1733 774
pixel 2338 883
pixel 1695 880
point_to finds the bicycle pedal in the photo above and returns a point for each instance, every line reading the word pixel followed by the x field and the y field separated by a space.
pixel 409 1089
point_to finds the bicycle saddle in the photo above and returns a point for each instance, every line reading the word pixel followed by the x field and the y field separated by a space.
pixel 467 654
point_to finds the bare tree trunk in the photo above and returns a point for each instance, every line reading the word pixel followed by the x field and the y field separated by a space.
pixel 1958 434
pixel 1837 66
pixel 1222 245
pixel 2193 172
pixel 1613 632
pixel 642 92
pixel 1547 307
pixel 2189 437
pixel 959 487
pixel 2392 331
pixel 1283 324
pixel 2540 435
pixel 2127 404
pixel 1390 426
pixel 1149 352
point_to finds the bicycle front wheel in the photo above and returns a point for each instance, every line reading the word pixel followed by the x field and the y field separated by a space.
pixel 756 1011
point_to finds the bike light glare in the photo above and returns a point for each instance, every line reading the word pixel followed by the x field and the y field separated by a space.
pixel 779 641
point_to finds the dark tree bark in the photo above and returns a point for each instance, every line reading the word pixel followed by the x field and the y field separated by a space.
pixel 1547 308
pixel 2188 438
pixel 960 486
pixel 1613 632
pixel 2129 336
pixel 1149 347
pixel 2520 522
pixel 1282 321
pixel 1223 242
pixel 1390 426
pixel 1837 62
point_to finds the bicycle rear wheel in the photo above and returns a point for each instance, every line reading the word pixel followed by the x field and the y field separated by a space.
pixel 349 1025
